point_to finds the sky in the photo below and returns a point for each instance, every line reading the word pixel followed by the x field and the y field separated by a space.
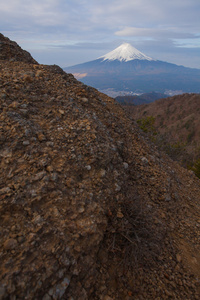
pixel 69 32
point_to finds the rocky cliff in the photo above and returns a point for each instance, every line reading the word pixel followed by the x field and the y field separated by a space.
pixel 89 208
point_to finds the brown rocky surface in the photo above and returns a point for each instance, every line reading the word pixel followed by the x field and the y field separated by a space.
pixel 89 208
pixel 177 119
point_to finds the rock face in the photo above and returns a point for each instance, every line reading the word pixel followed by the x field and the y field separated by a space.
pixel 89 209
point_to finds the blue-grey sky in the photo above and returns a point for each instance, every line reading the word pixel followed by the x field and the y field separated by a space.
pixel 68 32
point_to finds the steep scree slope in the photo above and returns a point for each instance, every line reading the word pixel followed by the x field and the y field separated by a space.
pixel 89 209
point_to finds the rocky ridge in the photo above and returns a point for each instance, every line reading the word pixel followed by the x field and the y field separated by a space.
pixel 10 50
pixel 89 208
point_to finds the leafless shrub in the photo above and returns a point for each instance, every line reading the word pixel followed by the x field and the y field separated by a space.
pixel 135 236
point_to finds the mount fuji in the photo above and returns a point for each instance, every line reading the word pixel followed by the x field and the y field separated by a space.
pixel 125 53
pixel 127 70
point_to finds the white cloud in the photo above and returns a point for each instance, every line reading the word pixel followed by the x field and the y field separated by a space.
pixel 37 12
pixel 155 33
pixel 101 15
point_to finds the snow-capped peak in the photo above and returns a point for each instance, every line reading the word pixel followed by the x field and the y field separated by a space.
pixel 125 52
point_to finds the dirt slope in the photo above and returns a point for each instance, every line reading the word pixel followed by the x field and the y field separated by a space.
pixel 89 209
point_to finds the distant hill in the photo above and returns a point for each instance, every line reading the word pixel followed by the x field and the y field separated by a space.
pixel 142 99
pixel 177 120
pixel 129 70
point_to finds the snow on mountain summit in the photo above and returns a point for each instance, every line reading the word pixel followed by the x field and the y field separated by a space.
pixel 125 52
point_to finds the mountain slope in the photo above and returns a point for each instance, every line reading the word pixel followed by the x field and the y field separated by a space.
pixel 126 69
pixel 177 119
pixel 89 209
